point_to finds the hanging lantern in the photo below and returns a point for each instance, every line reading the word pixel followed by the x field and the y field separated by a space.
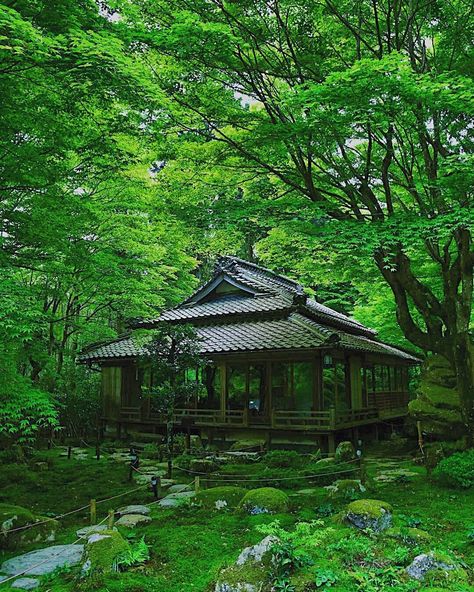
pixel 327 361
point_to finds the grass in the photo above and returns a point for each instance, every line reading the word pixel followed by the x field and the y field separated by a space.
pixel 190 545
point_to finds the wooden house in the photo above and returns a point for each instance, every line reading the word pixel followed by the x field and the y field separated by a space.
pixel 283 367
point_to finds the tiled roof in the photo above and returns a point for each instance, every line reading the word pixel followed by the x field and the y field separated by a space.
pixel 264 311
pixel 226 305
pixel 291 333
pixel 273 293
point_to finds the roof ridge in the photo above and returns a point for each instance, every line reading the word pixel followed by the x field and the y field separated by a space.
pixel 224 261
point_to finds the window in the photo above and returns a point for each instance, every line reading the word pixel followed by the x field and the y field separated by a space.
pixel 211 379
pixel 237 386
pixel 256 391
pixel 335 389
pixel 292 386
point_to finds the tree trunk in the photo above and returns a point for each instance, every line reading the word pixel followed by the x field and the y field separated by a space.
pixel 463 363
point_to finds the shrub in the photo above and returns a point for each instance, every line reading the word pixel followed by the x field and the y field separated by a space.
pixel 283 459
pixel 457 470
pixel 265 500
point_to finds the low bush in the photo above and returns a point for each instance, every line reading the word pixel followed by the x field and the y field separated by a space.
pixel 456 470
pixel 283 459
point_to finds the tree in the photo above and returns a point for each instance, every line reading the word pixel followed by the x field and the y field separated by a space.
pixel 361 114
pixel 171 355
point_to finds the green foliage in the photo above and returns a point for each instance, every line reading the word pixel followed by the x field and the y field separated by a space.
pixel 137 554
pixel 325 578
pixel 457 470
pixel 283 459
pixel 222 497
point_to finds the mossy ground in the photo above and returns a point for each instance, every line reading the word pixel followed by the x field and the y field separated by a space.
pixel 189 546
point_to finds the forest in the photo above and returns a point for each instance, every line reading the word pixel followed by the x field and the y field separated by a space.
pixel 314 158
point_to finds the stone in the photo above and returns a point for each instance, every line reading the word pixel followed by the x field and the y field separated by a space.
pixel 14 517
pixel 426 562
pixel 394 475
pixel 174 500
pixel 144 478
pixel 87 530
pixel 243 457
pixel 179 488
pixel 134 509
pixel 101 551
pixel 369 514
pixel 250 572
pixel 257 552
pixel 264 500
pixel 44 561
pixel 133 520
pixel 345 451
pixel 25 583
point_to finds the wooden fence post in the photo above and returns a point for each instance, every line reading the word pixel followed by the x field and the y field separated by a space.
pixel 197 484
pixel 110 520
pixel 93 511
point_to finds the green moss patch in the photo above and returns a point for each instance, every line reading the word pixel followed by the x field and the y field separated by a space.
pixel 265 500
pixel 102 550
pixel 370 508
pixel 221 497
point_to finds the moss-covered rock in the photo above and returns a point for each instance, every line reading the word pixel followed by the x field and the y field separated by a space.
pixel 409 536
pixel 265 500
pixel 102 551
pixel 437 566
pixel 250 573
pixel 437 404
pixel 17 517
pixel 345 451
pixel 369 514
pixel 220 498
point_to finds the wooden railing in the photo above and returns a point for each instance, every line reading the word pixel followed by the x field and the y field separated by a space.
pixel 292 420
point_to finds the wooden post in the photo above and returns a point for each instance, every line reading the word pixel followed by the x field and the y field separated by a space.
pixel 97 452
pixel 69 452
pixel 197 483
pixel 158 487
pixel 93 511
pixel 331 443
pixel 110 520
pixel 332 417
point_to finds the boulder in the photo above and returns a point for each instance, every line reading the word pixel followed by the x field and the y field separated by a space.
pixel 369 514
pixel 437 405
pixel 426 562
pixel 134 509
pixel 265 500
pixel 44 561
pixel 345 489
pixel 221 498
pixel 25 583
pixel 344 452
pixel 250 571
pixel 16 517
pixel 101 552
pixel 133 520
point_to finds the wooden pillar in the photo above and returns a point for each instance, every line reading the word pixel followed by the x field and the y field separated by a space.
pixel 223 394
pixel 331 443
